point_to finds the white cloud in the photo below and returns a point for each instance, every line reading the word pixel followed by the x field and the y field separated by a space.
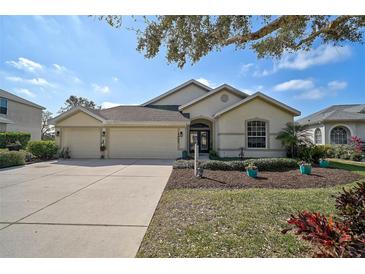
pixel 115 79
pixel 59 68
pixel 319 56
pixel 207 82
pixel 35 81
pixel 337 85
pixel 101 89
pixel 109 105
pixel 26 92
pixel 25 64
pixel 296 84
pixel 204 81
pixel 245 68
pixel 313 94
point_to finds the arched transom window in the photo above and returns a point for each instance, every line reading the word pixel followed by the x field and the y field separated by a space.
pixel 339 135
pixel 256 134
pixel 318 136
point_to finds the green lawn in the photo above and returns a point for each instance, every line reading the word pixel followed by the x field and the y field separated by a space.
pixel 233 223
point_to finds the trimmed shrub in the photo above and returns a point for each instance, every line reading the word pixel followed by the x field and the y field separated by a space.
pixel 273 164
pixel 42 149
pixel 216 165
pixel 183 164
pixel 263 164
pixel 11 158
pixel 8 138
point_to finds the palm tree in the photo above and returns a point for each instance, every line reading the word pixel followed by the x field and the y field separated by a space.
pixel 293 136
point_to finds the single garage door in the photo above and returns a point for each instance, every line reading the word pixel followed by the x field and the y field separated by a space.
pixel 143 143
pixel 83 142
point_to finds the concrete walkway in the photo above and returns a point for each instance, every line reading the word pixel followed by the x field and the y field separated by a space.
pixel 79 208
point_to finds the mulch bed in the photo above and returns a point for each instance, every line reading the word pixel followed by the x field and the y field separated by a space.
pixel 320 177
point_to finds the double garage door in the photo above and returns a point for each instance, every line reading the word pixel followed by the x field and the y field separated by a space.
pixel 124 142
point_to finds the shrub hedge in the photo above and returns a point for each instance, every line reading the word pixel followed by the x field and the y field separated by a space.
pixel 7 138
pixel 263 164
pixel 11 158
pixel 42 149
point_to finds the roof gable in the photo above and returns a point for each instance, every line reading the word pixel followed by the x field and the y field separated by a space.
pixel 265 98
pixel 223 87
pixel 74 111
pixel 176 90
pixel 15 98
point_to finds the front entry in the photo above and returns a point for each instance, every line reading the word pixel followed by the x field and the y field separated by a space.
pixel 200 137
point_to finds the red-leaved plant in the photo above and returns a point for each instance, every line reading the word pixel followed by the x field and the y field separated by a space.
pixel 344 238
pixel 356 143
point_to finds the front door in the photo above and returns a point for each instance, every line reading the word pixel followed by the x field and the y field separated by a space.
pixel 200 137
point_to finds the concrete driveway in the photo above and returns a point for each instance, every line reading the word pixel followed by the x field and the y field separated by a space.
pixel 79 208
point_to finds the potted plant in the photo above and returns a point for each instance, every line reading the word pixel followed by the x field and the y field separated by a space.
pixel 102 149
pixel 305 168
pixel 251 171
pixel 324 163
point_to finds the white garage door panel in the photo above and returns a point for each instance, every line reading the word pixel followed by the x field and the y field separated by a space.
pixel 83 142
pixel 144 143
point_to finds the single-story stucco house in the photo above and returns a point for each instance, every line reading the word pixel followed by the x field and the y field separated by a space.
pixel 336 124
pixel 223 119
pixel 20 115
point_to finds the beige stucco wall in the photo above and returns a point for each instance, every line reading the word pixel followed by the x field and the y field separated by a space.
pixel 26 119
pixel 79 119
pixel 2 127
pixel 182 96
pixel 211 105
pixel 231 129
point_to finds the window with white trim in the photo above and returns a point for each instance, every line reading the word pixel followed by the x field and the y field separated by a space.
pixel 339 135
pixel 318 136
pixel 256 134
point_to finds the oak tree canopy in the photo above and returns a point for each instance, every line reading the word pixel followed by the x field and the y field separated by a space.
pixel 189 38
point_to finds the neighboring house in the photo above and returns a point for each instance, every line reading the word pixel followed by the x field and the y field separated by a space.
pixel 223 119
pixel 336 124
pixel 18 114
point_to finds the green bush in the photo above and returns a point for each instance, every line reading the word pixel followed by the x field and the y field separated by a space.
pixel 273 164
pixel 7 138
pixel 356 156
pixel 263 164
pixel 312 153
pixel 42 149
pixel 11 158
pixel 216 165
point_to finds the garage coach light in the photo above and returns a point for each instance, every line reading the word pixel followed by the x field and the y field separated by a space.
pixel 181 134
pixel 57 133
pixel 103 132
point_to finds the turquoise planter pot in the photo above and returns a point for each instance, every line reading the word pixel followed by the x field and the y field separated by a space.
pixel 305 170
pixel 252 173
pixel 324 163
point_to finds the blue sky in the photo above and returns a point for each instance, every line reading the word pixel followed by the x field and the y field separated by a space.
pixel 46 59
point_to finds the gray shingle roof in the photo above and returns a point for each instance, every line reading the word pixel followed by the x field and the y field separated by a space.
pixel 13 97
pixel 355 112
pixel 140 114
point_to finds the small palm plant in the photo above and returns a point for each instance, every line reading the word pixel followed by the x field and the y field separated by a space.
pixel 293 136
